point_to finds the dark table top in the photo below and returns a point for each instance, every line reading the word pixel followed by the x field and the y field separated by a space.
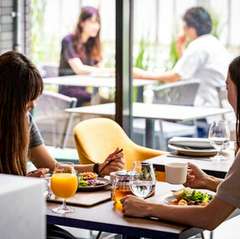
pixel 105 217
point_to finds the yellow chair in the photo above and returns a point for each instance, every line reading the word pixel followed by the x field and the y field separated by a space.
pixel 97 138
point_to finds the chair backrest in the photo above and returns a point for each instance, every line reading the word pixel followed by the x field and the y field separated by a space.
pixel 222 96
pixel 97 138
pixel 50 70
pixel 51 117
pixel 178 93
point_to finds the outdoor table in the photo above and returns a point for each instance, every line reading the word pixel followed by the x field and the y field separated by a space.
pixel 104 217
pixel 152 112
pixel 96 82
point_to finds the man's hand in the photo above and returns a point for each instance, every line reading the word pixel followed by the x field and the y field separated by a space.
pixel 136 207
pixel 114 162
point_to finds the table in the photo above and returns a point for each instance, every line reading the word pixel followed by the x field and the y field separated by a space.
pixel 64 155
pixel 153 112
pixel 217 169
pixel 104 217
pixel 96 82
pixel 93 81
pixel 211 167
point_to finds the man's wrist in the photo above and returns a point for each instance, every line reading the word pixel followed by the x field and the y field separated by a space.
pixel 212 183
pixel 150 210
pixel 96 168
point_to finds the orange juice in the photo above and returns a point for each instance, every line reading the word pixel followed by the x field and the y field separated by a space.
pixel 64 185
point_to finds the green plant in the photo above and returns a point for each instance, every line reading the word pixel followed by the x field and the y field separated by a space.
pixel 141 61
pixel 217 27
pixel 37 20
pixel 173 54
pixel 142 58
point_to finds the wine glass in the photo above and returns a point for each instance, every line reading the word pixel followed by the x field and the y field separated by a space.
pixel 219 136
pixel 64 184
pixel 143 181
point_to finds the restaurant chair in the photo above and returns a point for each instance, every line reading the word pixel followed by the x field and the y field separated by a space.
pixel 50 70
pixel 54 123
pixel 96 138
pixel 178 93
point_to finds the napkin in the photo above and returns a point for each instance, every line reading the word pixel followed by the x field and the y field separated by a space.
pixel 192 143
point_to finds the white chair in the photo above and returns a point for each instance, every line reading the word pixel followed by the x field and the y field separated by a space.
pixel 54 123
pixel 179 93
pixel 49 70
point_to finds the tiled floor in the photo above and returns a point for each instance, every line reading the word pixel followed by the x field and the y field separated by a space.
pixel 228 230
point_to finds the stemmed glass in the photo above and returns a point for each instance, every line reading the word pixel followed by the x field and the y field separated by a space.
pixel 64 184
pixel 219 136
pixel 143 181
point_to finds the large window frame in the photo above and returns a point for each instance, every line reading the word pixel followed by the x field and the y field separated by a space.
pixel 124 37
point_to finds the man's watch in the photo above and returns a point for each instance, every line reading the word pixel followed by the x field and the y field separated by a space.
pixel 96 168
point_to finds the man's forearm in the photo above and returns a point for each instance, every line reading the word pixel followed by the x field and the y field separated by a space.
pixel 83 168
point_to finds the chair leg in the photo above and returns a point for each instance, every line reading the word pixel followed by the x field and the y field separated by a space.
pixel 162 140
pixel 202 235
pixel 67 131
pixel 98 235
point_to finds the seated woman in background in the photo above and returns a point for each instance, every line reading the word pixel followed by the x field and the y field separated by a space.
pixel 81 53
pixel 227 197
pixel 20 140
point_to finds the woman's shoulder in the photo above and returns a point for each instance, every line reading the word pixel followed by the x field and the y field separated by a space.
pixel 68 38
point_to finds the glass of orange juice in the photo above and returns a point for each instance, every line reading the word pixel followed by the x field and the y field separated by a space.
pixel 64 184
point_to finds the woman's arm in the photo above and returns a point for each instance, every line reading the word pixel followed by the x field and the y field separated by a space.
pixel 41 158
pixel 79 68
pixel 208 217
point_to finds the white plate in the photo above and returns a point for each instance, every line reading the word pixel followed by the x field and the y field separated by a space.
pixel 193 152
pixel 104 183
pixel 168 198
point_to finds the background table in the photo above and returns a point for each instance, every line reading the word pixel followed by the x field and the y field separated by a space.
pixel 104 217
pixel 152 112
pixel 211 167
pixel 94 81
pixel 97 82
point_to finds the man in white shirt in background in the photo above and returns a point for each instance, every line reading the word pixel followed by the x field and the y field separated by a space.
pixel 204 58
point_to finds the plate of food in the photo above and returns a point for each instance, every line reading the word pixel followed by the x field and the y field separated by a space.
pixel 190 151
pixel 90 181
pixel 188 197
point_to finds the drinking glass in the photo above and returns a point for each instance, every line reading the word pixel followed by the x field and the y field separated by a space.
pixel 143 181
pixel 120 187
pixel 64 184
pixel 219 136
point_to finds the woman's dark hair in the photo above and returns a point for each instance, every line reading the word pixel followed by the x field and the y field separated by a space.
pixel 199 19
pixel 234 73
pixel 92 48
pixel 20 83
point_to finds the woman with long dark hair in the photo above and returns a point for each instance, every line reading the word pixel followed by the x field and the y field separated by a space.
pixel 81 52
pixel 20 140
pixel 227 197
